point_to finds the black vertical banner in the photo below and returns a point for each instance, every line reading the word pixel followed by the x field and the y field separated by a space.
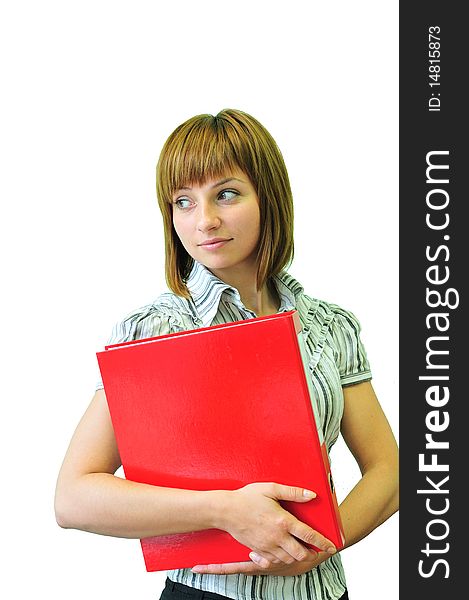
pixel 434 234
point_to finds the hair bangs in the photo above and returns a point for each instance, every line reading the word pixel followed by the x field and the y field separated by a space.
pixel 202 150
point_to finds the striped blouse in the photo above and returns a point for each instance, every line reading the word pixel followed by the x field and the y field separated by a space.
pixel 336 358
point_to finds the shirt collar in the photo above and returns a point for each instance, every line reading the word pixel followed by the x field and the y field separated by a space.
pixel 207 290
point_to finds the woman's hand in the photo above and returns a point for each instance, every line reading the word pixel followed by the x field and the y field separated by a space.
pixel 253 516
pixel 261 566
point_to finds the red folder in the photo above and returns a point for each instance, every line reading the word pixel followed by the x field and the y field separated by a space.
pixel 218 408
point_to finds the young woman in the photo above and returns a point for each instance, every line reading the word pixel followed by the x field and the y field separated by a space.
pixel 227 208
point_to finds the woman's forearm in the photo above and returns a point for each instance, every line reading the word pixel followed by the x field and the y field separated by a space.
pixel 373 500
pixel 106 504
pixel 90 497
pixel 109 505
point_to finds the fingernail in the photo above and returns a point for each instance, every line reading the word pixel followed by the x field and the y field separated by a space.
pixel 331 550
pixel 309 494
pixel 254 557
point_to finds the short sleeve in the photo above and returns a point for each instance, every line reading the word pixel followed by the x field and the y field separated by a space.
pixel 142 323
pixel 352 360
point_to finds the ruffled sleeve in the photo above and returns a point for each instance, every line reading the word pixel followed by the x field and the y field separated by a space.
pixel 352 360
pixel 148 321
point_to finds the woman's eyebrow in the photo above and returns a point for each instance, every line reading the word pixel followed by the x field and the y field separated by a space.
pixel 226 181
pixel 223 181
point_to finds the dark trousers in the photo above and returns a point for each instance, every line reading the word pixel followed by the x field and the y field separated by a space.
pixel 179 591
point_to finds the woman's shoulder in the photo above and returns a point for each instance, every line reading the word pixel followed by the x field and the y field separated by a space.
pixel 320 309
pixel 343 316
pixel 336 318
pixel 168 313
pixel 337 311
pixel 340 329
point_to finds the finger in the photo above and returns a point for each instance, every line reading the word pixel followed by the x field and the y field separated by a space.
pixel 288 554
pixel 227 568
pixel 292 551
pixel 291 492
pixel 311 536
pixel 259 560
pixel 271 557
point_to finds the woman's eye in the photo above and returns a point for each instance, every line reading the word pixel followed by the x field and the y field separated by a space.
pixel 182 202
pixel 227 195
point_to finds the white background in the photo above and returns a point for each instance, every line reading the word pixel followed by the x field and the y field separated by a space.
pixel 91 90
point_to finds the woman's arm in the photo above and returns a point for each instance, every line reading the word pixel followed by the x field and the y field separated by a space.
pixel 368 435
pixel 374 499
pixel 90 497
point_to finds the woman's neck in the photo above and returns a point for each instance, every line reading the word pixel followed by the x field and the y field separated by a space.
pixel 262 302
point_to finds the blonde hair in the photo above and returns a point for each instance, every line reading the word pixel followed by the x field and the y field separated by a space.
pixel 205 147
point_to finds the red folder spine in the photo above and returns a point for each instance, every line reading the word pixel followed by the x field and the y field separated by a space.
pixel 339 538
pixel 333 498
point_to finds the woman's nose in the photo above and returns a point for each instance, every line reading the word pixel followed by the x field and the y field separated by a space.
pixel 208 217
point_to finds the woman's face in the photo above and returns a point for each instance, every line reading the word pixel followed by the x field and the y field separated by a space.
pixel 218 223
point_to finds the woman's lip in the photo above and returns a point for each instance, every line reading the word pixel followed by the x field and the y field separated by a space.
pixel 215 244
